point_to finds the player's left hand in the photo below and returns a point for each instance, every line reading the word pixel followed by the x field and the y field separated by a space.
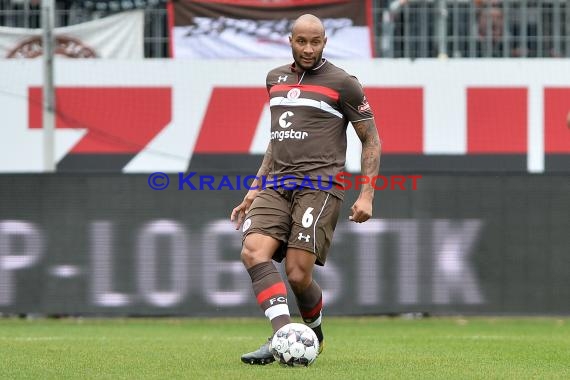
pixel 361 210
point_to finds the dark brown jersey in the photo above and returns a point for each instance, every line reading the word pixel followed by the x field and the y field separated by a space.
pixel 309 116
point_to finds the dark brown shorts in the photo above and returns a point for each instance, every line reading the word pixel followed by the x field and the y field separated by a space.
pixel 301 218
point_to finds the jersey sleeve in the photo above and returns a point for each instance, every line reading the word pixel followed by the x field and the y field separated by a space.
pixel 353 101
pixel 268 83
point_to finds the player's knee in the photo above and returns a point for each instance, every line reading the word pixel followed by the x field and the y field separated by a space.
pixel 248 256
pixel 298 279
pixel 252 255
pixel 257 249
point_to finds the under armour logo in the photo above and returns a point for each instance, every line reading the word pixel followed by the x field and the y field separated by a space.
pixel 301 237
pixel 282 78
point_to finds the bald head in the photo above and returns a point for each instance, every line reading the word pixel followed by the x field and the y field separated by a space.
pixel 308 22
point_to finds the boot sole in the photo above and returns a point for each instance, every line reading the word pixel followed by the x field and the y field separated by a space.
pixel 254 361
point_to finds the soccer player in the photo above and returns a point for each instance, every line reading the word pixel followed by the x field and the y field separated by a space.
pixel 311 102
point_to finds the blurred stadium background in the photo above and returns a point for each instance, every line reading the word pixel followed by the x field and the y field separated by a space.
pixel 473 96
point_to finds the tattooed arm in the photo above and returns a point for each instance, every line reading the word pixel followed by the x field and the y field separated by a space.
pixel 238 213
pixel 370 165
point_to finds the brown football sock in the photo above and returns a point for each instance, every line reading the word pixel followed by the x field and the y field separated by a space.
pixel 310 303
pixel 271 293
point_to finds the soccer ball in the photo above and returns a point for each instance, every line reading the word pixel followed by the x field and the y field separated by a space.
pixel 295 345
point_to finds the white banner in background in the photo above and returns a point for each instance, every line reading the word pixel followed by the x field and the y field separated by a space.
pixel 219 29
pixel 120 36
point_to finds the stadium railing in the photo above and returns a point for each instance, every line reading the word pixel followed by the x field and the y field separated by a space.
pixel 402 28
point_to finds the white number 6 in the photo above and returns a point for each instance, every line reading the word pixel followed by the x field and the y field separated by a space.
pixel 307 218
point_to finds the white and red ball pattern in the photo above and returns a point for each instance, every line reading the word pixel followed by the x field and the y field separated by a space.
pixel 295 345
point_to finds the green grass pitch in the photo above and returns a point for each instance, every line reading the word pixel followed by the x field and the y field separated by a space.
pixel 356 348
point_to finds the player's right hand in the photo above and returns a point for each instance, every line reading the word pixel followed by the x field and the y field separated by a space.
pixel 239 212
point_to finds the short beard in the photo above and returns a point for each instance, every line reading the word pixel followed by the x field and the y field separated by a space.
pixel 317 62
